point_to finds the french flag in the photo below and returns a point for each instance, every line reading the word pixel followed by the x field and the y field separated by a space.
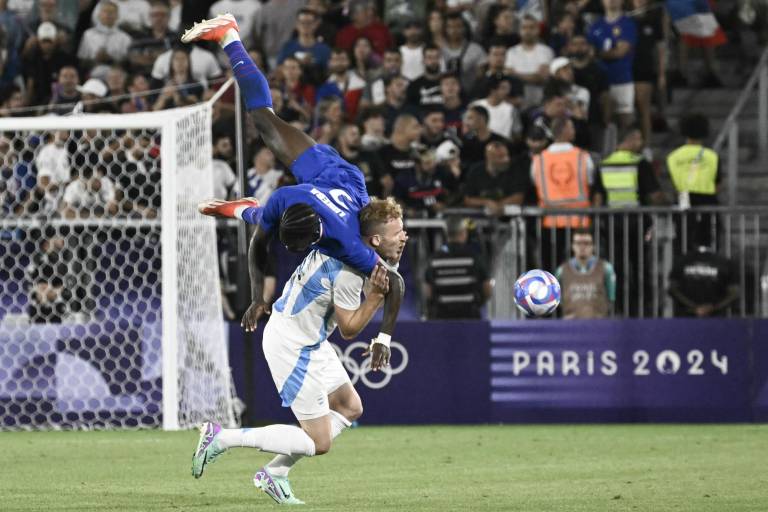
pixel 693 17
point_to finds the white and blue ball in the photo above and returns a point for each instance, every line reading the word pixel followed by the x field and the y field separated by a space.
pixel 537 293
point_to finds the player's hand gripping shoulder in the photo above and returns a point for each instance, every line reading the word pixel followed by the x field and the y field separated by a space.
pixel 255 311
pixel 378 283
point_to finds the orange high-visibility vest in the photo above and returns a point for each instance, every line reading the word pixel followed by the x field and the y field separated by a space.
pixel 561 182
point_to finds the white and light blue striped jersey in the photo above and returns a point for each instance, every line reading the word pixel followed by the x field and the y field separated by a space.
pixel 306 306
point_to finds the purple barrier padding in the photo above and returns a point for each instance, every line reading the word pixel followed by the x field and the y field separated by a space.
pixel 555 371
pixel 621 370
pixel 760 361
pixel 443 380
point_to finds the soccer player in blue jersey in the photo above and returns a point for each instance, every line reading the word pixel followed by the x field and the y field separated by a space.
pixel 321 212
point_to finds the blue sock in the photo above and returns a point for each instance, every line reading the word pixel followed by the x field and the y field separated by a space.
pixel 252 215
pixel 252 82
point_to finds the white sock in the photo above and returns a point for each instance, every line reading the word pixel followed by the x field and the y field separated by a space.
pixel 230 36
pixel 282 464
pixel 284 439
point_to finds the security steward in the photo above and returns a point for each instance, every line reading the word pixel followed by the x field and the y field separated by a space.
pixel 564 176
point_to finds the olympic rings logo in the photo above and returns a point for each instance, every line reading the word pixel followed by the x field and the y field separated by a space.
pixel 359 371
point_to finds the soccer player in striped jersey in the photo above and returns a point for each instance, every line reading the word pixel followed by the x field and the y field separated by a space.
pixel 322 293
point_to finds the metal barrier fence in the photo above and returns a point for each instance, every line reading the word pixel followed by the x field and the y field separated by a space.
pixel 642 244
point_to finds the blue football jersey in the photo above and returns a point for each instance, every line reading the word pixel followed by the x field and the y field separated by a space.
pixel 335 189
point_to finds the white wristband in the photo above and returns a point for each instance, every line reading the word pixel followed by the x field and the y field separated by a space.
pixel 384 339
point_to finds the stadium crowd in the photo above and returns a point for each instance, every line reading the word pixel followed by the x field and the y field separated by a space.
pixel 440 103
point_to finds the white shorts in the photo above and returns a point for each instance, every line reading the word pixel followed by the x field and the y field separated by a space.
pixel 304 375
pixel 624 98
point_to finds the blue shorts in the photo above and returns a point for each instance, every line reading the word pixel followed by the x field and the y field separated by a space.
pixel 322 165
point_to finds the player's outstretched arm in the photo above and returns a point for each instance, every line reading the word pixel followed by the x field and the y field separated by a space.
pixel 258 262
pixel 379 349
pixel 351 322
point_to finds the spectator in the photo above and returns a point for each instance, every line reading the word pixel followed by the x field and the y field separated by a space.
pixel 17 173
pixel 273 25
pixel 397 156
pixel 374 129
pixel 299 95
pixel 42 63
pixel 132 16
pixel 306 47
pixel 224 178
pixel 555 105
pixel 477 135
pixel 180 88
pixel 577 97
pixel 691 37
pixel 92 93
pixel 564 176
pixel 703 283
pixel 536 141
pixel 138 86
pixel 116 83
pixel 147 46
pixel 364 24
pixel 614 38
pixel 427 188
pixel 503 117
pixel 461 56
pixel 501 27
pixel 364 61
pixel 203 65
pixel 436 29
pixel 263 178
pixel 349 146
pixel 649 68
pixel 104 44
pixel 412 51
pixel 529 61
pixel 50 276
pixel 9 66
pixel 457 283
pixel 65 92
pixel 91 194
pixel 492 184
pixel 343 82
pixel 453 104
pixel 374 91
pixel 244 12
pixel 627 177
pixel 564 30
pixel 327 20
pixel 425 90
pixel 329 117
pixel 588 283
pixel 433 132
pixel 52 162
pixel 394 100
pixel 46 13
pixel 589 74
pixel 493 70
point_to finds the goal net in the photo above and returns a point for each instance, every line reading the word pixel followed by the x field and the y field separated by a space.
pixel 110 303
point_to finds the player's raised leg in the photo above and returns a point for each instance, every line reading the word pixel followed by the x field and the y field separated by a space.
pixel 285 141
pixel 346 407
pixel 282 439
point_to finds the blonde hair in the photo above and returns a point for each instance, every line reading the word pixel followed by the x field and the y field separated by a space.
pixel 378 212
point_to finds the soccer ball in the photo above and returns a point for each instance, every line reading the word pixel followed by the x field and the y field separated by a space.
pixel 537 293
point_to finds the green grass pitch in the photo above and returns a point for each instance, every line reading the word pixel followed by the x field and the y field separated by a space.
pixel 528 468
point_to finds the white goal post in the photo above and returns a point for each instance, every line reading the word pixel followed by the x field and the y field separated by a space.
pixel 111 312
